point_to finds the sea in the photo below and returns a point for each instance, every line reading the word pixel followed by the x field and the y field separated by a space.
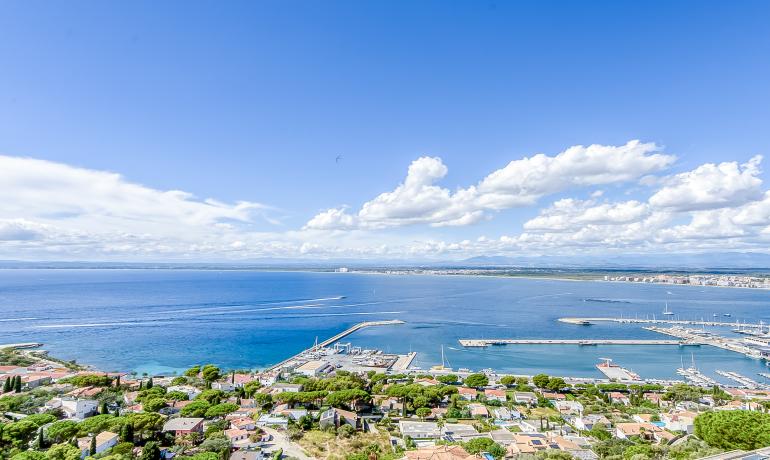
pixel 163 321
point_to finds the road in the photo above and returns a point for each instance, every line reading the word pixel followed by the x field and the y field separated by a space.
pixel 281 441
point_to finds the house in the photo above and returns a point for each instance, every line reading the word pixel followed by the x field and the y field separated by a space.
pixel 568 407
pixel 503 437
pixel 294 414
pixel 223 385
pixel 528 443
pixel 525 397
pixel 190 391
pixel 85 392
pixel 237 437
pixel 503 413
pixel 478 410
pixel 468 394
pixel 182 426
pixel 438 453
pixel 554 396
pixel 313 368
pixel 426 382
pixel 495 395
pixel 273 420
pixel 656 398
pixel 619 398
pixel 643 430
pixel 679 421
pixel 461 432
pixel 419 430
pixel 104 441
pixel 589 421
pixel 387 404
pixel 338 417
pixel 73 408
pixel 243 424
pixel 286 387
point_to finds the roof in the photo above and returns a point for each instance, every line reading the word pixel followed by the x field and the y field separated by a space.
pixel 182 424
pixel 464 390
pixel 312 366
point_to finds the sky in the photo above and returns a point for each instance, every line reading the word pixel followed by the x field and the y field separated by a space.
pixel 382 130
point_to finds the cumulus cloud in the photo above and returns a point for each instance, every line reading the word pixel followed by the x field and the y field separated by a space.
pixel 569 214
pixel 712 186
pixel 418 200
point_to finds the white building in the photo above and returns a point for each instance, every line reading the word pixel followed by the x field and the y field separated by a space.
pixel 74 408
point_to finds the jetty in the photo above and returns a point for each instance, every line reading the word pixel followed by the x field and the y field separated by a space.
pixel 21 346
pixel 335 338
pixel 724 343
pixel 580 342
pixel 681 322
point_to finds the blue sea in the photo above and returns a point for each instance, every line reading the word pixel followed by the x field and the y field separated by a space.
pixel 164 321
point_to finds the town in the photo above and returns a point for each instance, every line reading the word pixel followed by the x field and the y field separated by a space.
pixel 335 401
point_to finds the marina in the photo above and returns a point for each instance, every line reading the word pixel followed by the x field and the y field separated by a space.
pixel 713 340
pixel 581 342
pixel 735 324
pixel 744 381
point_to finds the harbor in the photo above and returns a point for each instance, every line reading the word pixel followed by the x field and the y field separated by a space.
pixel 480 343
pixel 681 322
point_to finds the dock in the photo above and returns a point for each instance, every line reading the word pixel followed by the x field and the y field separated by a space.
pixel 404 362
pixel 681 322
pixel 580 342
pixel 711 340
pixel 335 338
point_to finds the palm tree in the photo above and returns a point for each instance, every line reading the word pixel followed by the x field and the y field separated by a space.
pixel 440 424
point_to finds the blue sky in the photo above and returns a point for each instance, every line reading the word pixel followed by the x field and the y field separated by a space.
pixel 253 101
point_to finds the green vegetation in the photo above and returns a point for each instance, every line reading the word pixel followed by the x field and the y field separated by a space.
pixel 738 429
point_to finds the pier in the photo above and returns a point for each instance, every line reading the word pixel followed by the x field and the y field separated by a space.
pixel 581 342
pixel 711 340
pixel 331 340
pixel 681 322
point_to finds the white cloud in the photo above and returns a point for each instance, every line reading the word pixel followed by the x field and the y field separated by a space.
pixel 418 200
pixel 570 214
pixel 712 186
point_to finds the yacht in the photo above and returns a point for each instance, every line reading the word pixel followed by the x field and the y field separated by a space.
pixel 668 312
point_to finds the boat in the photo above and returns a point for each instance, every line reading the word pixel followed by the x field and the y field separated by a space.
pixel 668 312
pixel 444 362
pixel 716 315
pixel 727 314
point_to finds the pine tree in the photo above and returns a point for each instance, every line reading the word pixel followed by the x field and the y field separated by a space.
pixel 150 452
pixel 149 383
pixel 92 449
pixel 128 433
pixel 40 439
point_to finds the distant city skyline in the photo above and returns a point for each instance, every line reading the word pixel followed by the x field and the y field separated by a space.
pixel 180 131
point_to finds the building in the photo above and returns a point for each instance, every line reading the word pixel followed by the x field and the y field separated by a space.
pixel 73 408
pixel 182 426
pixel 525 397
pixel 286 387
pixel 104 441
pixel 568 407
pixel 478 410
pixel 190 391
pixel 468 394
pixel 419 430
pixel 495 395
pixel 338 417
pixel 313 368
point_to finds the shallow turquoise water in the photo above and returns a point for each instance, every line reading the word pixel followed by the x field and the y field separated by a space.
pixel 166 320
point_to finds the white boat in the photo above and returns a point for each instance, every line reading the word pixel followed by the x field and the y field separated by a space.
pixel 667 312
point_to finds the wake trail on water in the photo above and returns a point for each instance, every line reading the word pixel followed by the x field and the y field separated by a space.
pixel 8 320
pixel 173 320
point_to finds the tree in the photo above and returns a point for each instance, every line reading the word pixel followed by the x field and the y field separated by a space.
pixel 423 412
pixel 7 385
pixel 541 380
pixel 62 430
pixel 193 371
pixel 92 448
pixel 736 429
pixel 40 439
pixel 555 384
pixel 210 373
pixel 479 445
pixel 154 404
pixel 196 408
pixel 220 410
pixel 477 380
pixel 17 386
pixel 63 451
pixel 127 433
pixel 508 380
pixel 150 452
pixel 149 383
pixel 447 379
pixel 30 455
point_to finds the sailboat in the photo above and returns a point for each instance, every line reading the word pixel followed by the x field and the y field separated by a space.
pixel 444 362
pixel 667 312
